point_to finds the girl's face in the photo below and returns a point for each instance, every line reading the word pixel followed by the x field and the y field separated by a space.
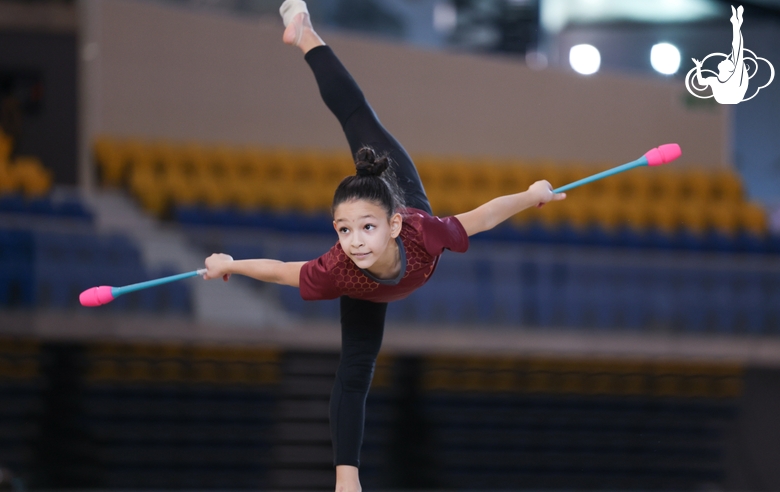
pixel 367 235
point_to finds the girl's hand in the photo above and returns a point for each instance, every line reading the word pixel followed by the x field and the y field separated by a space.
pixel 217 265
pixel 543 191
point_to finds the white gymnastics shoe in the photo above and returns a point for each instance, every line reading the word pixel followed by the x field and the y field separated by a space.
pixel 288 11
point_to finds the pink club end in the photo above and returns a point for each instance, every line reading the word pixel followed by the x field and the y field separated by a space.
pixel 96 296
pixel 663 154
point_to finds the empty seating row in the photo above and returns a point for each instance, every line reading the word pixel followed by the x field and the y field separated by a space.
pixel 165 175
pixel 112 362
pixel 456 430
pixel 536 291
pixel 481 439
pixel 50 270
pixel 667 216
pixel 572 376
pixel 119 160
pixel 716 230
pixel 577 422
pixel 44 206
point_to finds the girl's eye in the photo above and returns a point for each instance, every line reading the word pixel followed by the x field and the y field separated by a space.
pixel 344 230
pixel 369 227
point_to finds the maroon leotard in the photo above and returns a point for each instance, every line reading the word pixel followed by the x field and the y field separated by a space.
pixel 423 239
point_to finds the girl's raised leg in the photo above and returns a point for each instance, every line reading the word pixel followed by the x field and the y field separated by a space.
pixel 344 98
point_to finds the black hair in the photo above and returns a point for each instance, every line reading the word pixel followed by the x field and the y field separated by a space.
pixel 374 181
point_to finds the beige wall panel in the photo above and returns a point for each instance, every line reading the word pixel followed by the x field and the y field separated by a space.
pixel 177 74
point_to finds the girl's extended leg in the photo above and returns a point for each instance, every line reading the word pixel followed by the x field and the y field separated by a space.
pixel 345 99
pixel 360 124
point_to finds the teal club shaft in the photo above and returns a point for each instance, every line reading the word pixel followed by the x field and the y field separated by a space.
pixel 118 291
pixel 642 161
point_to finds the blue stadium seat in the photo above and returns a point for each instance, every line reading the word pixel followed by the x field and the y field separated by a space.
pixel 751 243
pixel 722 311
pixel 659 297
pixel 16 268
pixel 750 300
pixel 629 297
pixel 118 250
pixel 12 203
pixel 242 250
pixel 72 209
pixel 690 298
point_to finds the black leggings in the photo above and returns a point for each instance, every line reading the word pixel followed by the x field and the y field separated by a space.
pixel 362 322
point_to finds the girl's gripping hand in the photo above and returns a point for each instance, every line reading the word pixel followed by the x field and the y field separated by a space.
pixel 217 265
pixel 543 191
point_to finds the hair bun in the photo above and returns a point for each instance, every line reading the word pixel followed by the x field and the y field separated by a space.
pixel 368 163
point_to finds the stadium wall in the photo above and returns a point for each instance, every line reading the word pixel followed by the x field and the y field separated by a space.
pixel 153 71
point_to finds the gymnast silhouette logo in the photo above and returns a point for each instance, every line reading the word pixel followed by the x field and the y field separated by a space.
pixel 735 71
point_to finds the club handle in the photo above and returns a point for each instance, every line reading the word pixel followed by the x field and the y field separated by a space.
pixel 642 161
pixel 118 291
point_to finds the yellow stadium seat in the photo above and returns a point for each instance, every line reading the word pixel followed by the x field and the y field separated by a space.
pixel 753 218
pixel 111 160
pixel 310 198
pixel 310 166
pixel 161 161
pixel 139 154
pixel 610 213
pixel 695 185
pixel 579 212
pixel 281 196
pixel 32 177
pixel 217 179
pixel 6 144
pixel 221 162
pixel 213 193
pixel 726 186
pixel 8 180
pixel 724 217
pixel 183 189
pixel 431 175
pixel 664 216
pixel 512 178
pixel 637 214
pixel 558 174
pixel 549 215
pixel 246 194
pixel 278 165
pixel 456 176
pixel 443 202
pixel 483 179
pixel 149 191
pixel 664 186
pixel 595 190
pixel 193 160
pixel 335 167
pixel 693 216
pixel 245 165
pixel 633 185
pixel 529 171
pixel 167 153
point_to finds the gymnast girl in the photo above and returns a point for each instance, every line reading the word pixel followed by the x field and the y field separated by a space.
pixel 388 245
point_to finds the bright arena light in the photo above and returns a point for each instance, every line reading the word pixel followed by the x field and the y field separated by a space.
pixel 665 58
pixel 585 59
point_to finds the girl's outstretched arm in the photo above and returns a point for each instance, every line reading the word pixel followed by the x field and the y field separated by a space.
pixel 497 210
pixel 279 272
